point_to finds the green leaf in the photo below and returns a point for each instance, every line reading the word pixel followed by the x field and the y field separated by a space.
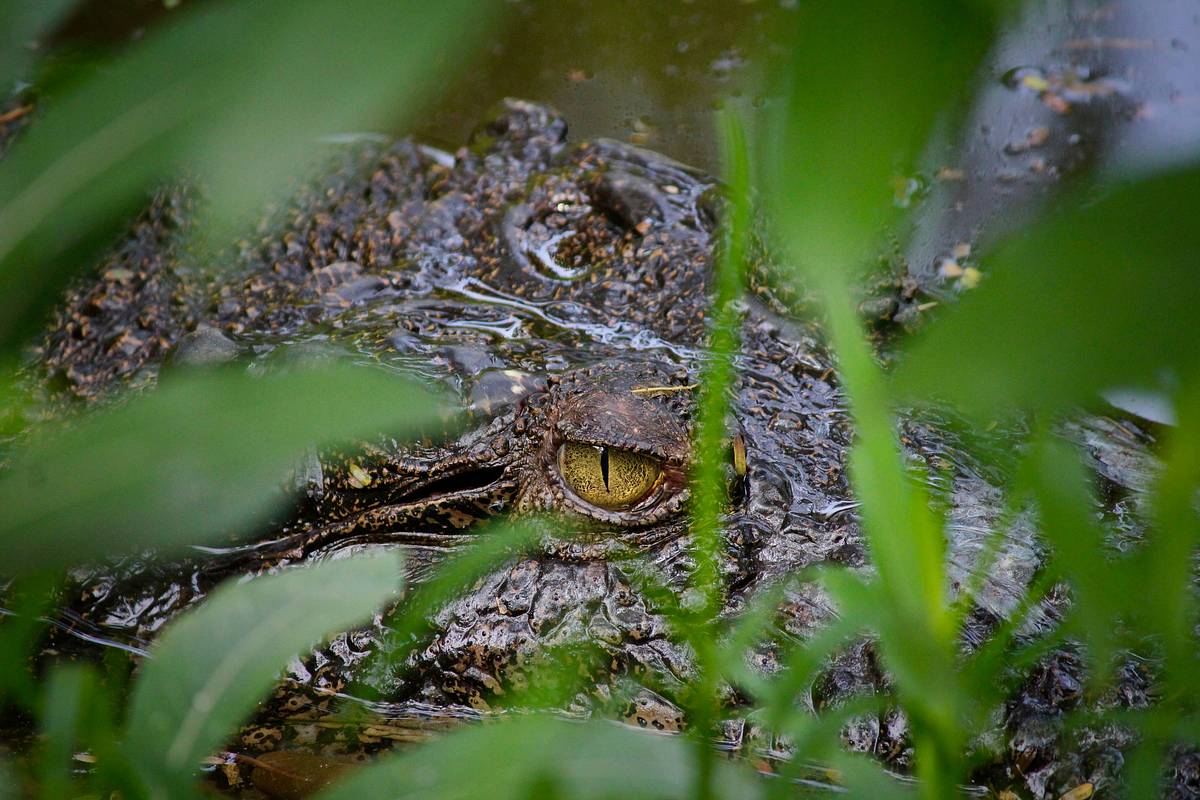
pixel 201 455
pixel 1066 512
pixel 236 94
pixel 212 664
pixel 1102 295
pixel 864 777
pixel 867 84
pixel 1169 611
pixel 513 757
pixel 863 90
pixel 22 21
pixel 22 620
pixel 67 695
pixel 8 781
pixel 494 544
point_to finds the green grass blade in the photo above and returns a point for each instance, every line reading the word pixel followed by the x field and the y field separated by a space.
pixel 199 456
pixel 68 692
pixel 709 475
pixel 513 758
pixel 236 94
pixel 214 663
pixel 20 22
pixel 494 544
pixel 24 603
pixel 863 90
pixel 1089 299
pixel 867 84
pixel 9 785
pixel 1170 611
pixel 1065 505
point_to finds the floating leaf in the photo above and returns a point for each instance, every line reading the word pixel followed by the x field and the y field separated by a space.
pixel 212 664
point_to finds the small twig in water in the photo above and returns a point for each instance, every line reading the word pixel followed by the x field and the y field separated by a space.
pixel 664 389
pixel 16 113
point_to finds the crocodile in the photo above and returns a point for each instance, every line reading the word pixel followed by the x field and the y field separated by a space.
pixel 562 290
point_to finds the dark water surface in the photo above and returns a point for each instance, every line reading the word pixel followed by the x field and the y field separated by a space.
pixel 1113 82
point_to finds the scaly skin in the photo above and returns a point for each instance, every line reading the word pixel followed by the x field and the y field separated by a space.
pixel 545 282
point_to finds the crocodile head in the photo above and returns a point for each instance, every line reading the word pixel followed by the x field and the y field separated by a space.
pixel 562 291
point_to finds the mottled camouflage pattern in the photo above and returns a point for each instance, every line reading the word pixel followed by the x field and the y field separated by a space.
pixel 544 281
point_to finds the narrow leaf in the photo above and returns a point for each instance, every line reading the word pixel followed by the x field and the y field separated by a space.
pixel 236 94
pixel 1100 296
pixel 864 88
pixel 513 758
pixel 21 22
pixel 212 664
pixel 199 456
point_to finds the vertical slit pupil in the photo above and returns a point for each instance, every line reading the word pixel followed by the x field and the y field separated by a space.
pixel 604 466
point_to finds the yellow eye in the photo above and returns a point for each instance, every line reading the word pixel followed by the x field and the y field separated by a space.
pixel 607 477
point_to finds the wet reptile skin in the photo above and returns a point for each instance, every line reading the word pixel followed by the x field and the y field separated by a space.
pixel 544 282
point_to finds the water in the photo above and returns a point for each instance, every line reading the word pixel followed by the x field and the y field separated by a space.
pixel 653 73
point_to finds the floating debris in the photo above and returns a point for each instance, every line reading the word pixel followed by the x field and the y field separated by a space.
pixel 359 477
pixel 1081 792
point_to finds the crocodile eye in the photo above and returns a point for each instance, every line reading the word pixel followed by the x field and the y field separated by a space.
pixel 608 477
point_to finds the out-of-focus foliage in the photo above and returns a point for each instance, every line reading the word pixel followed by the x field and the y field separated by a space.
pixel 1075 307
pixel 188 698
pixel 1097 296
pixel 544 757
pixel 202 454
pixel 233 93
pixel 22 21
pixel 897 65
pixel 495 543
pixel 862 92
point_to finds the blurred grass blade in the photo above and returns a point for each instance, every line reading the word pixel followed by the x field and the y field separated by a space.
pixel 709 476
pixel 1169 612
pixel 236 93
pixel 22 21
pixel 1100 296
pixel 199 456
pixel 755 623
pixel 1066 513
pixel 214 663
pixel 22 607
pixel 514 758
pixel 866 778
pixel 815 741
pixel 9 785
pixel 865 85
pixel 493 545
pixel 68 694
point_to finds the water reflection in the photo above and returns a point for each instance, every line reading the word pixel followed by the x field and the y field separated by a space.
pixel 647 73
pixel 1069 87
